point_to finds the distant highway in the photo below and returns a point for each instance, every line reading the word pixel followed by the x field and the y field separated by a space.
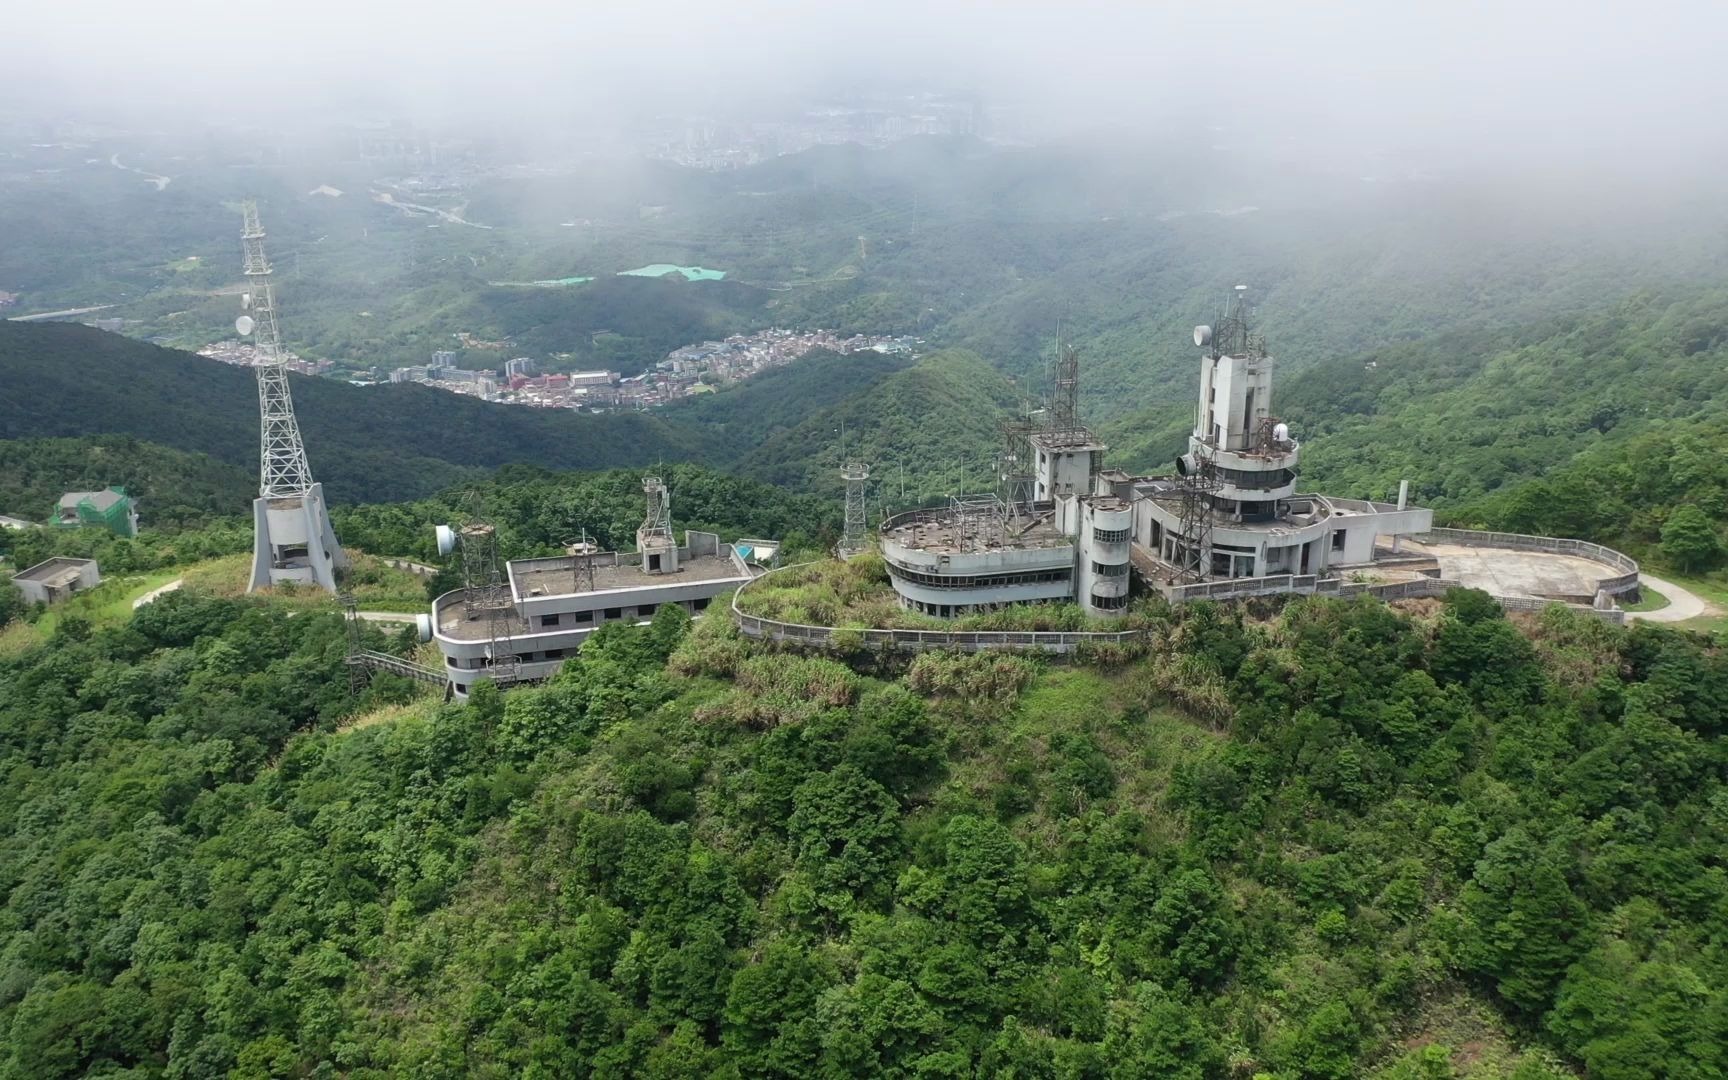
pixel 68 313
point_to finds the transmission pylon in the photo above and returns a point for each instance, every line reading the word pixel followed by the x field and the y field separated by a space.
pixel 292 539
pixel 359 675
pixel 852 534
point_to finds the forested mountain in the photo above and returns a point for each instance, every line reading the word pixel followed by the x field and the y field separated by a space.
pixel 933 427
pixel 175 487
pixel 995 249
pixel 1333 841
pixel 381 443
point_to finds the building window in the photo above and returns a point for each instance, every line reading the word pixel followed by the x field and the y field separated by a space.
pixel 584 616
pixel 553 654
pixel 646 609
pixel 950 581
pixel 451 660
pixel 548 620
pixel 1337 539
pixel 613 613
pixel 701 603
pixel 1109 603
pixel 1110 569
pixel 1110 536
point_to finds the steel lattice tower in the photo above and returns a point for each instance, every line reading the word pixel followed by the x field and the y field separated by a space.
pixel 283 469
pixel 1065 390
pixel 852 533
pixel 293 543
pixel 488 593
pixel 1194 518
pixel 657 522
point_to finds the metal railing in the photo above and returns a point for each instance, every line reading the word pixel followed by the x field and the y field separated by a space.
pixel 1067 640
pixel 378 661
pixel 1625 581
pixel 919 640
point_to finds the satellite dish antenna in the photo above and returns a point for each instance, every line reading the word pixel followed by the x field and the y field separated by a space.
pixel 446 538
pixel 245 301
pixel 1202 335
pixel 1241 288
pixel 244 326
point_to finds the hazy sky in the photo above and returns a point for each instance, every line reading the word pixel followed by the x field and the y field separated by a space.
pixel 1612 79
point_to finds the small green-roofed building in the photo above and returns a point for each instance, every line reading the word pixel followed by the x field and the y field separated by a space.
pixel 111 509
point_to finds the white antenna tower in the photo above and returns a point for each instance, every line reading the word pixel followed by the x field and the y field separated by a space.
pixel 292 539
pixel 852 534
pixel 283 470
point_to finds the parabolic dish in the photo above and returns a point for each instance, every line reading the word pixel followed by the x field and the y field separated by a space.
pixel 1202 335
pixel 244 326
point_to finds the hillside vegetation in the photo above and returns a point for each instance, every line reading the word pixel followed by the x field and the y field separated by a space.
pixel 175 488
pixel 1342 841
pixel 387 443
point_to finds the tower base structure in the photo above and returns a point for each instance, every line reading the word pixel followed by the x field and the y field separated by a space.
pixel 292 542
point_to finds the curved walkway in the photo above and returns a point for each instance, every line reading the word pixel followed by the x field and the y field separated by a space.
pixel 154 593
pixel 1682 604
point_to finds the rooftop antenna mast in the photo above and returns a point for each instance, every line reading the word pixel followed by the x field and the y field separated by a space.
pixel 1065 390
pixel 1196 485
pixel 657 522
pixel 293 542
pixel 485 590
pixel 654 539
pixel 581 551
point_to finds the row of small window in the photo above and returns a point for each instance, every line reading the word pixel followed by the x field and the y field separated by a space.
pixel 1110 536
pixel 479 662
pixel 1110 569
pixel 947 611
pixel 945 581
pixel 1110 603
pixel 643 611
pixel 1248 478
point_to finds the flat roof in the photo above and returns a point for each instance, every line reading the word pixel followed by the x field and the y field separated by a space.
pixel 540 578
pixel 1171 500
pixel 948 533
pixel 1078 439
pixel 56 572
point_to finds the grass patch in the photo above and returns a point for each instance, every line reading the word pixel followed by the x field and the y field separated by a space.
pixel 1648 600
pixel 856 594
pixel 376 585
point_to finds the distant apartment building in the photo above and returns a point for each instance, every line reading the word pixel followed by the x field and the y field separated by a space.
pixel 521 367
pixel 593 378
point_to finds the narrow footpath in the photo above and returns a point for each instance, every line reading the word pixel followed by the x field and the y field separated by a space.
pixel 1682 604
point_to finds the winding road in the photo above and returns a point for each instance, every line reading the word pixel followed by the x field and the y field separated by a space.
pixel 1682 604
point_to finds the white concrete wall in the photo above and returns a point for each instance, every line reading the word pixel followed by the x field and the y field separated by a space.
pixel 973 563
pixel 1088 584
pixel 1061 472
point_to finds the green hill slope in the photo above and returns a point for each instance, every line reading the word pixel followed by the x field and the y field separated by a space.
pixel 173 487
pixel 933 425
pixel 1335 841
pixel 381 443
